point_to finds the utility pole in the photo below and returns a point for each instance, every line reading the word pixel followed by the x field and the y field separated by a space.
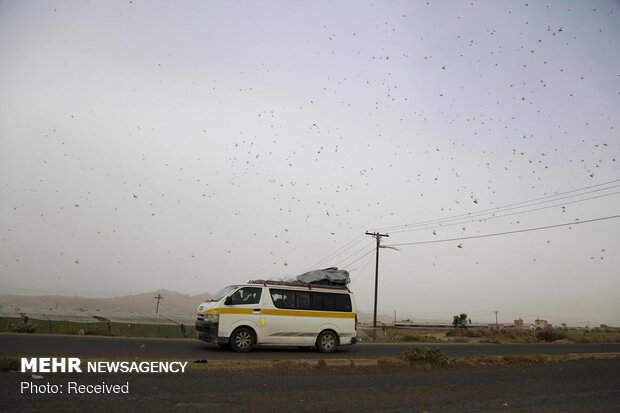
pixel 496 319
pixel 378 238
pixel 159 297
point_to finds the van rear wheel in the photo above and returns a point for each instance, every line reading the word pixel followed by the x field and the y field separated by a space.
pixel 327 341
pixel 242 340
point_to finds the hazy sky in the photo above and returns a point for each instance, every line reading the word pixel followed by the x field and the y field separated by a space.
pixel 191 145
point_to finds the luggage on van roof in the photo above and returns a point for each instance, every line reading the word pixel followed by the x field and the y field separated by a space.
pixel 327 276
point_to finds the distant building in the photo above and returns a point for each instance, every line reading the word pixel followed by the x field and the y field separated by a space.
pixel 519 323
pixel 541 323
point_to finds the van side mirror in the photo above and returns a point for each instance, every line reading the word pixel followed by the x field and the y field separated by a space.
pixel 228 300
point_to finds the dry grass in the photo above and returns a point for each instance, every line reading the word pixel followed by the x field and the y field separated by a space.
pixel 507 360
pixel 485 335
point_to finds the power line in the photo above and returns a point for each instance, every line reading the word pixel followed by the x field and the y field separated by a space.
pixel 505 215
pixel 159 297
pixel 506 233
pixel 352 255
pixel 339 251
pixel 362 270
pixel 353 262
pixel 503 207
pixel 493 212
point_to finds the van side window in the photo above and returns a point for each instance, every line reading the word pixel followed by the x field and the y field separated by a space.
pixel 343 302
pixel 283 298
pixel 316 301
pixel 246 295
pixel 311 300
pixel 329 302
pixel 303 300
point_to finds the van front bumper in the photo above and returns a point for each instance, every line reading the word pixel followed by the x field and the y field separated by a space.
pixel 206 330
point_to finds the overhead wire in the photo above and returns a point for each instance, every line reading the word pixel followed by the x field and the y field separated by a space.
pixel 354 254
pixel 353 262
pixel 361 271
pixel 506 232
pixel 339 251
pixel 503 215
pixel 491 213
pixel 503 207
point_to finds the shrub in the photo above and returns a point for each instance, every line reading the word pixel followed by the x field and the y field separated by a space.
pixel 421 339
pixel 491 341
pixel 527 358
pixel 432 356
pixel 23 328
pixel 550 335
pixel 408 338
pixel 9 364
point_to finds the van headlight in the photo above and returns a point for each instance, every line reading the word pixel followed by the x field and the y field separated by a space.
pixel 214 318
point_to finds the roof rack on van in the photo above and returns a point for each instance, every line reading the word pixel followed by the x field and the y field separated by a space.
pixel 299 284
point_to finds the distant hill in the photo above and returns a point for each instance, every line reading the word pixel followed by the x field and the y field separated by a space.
pixel 173 303
pixel 139 306
pixel 366 318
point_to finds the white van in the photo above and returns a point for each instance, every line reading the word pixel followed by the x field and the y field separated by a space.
pixel 279 314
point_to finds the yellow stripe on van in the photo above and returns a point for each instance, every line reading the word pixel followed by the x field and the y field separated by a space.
pixel 229 311
pixel 278 312
pixel 308 313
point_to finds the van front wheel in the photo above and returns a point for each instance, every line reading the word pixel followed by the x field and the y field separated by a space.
pixel 327 341
pixel 242 340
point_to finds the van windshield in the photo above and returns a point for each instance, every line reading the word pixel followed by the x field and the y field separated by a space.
pixel 223 293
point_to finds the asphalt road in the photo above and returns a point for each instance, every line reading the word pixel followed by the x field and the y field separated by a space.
pixel 94 346
pixel 580 386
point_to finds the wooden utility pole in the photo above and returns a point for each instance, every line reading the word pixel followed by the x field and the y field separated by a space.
pixel 159 297
pixel 378 238
pixel 496 326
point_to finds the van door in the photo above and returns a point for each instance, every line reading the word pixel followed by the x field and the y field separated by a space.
pixel 287 319
pixel 241 308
